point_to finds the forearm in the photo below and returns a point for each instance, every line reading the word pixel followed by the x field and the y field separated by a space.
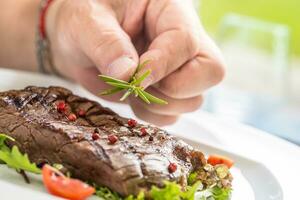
pixel 18 21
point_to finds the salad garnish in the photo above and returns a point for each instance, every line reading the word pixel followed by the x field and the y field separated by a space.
pixel 13 158
pixel 217 159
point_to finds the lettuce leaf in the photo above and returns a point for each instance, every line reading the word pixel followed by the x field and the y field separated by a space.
pixel 141 196
pixel 172 191
pixel 221 193
pixel 13 158
pixel 106 194
pixel 214 193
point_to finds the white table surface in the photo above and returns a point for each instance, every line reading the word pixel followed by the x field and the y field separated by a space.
pixel 280 156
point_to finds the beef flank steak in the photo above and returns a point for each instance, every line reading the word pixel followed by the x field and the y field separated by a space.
pixel 95 144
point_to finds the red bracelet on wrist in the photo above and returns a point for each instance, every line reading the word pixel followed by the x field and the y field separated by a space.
pixel 44 56
pixel 42 18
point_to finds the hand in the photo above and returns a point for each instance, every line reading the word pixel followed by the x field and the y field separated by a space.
pixel 89 37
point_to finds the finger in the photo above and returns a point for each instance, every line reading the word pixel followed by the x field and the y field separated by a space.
pixel 175 38
pixel 87 77
pixel 193 78
pixel 161 54
pixel 173 108
pixel 159 120
pixel 106 44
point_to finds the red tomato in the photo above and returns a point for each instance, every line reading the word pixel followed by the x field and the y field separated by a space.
pixel 59 185
pixel 217 159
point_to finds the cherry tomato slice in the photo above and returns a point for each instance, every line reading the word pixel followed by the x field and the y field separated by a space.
pixel 217 159
pixel 59 185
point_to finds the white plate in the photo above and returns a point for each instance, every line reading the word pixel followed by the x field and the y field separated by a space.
pixel 252 180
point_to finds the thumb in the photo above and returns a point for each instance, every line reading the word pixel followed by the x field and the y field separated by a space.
pixel 108 46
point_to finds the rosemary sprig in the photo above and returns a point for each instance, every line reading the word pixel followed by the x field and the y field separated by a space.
pixel 131 87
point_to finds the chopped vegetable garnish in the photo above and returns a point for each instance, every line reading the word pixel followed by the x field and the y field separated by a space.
pixel 222 171
pixel 217 159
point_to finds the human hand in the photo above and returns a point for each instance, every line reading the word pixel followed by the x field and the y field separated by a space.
pixel 110 37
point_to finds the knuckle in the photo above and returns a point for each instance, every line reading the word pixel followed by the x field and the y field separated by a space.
pixel 215 67
pixel 170 88
pixel 191 42
pixel 109 39
pixel 196 103
pixel 194 66
pixel 218 71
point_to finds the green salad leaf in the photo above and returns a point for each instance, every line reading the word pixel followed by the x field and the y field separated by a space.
pixel 105 193
pixel 189 194
pixel 14 158
pixel 214 193
pixel 192 178
pixel 141 196
pixel 221 193
pixel 3 146
pixel 171 191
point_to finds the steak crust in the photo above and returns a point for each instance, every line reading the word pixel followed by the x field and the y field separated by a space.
pixel 132 164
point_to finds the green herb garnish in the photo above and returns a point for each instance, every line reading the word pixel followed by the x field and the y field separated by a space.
pixel 13 158
pixel 131 87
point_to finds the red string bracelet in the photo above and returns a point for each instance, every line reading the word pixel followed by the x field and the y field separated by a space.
pixel 42 19
pixel 44 56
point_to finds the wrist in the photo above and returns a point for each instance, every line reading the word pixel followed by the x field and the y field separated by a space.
pixel 46 47
pixel 51 18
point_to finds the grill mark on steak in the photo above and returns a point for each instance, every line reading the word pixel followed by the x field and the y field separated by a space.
pixel 101 152
pixel 131 164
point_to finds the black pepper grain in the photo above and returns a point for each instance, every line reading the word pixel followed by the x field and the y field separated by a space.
pixel 151 138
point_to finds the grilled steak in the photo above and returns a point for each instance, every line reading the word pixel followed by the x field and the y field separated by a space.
pixel 52 125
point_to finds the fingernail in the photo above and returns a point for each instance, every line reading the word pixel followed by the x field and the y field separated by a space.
pixel 122 67
pixel 147 82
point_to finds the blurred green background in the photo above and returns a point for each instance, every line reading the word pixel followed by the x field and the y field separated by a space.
pixel 277 11
pixel 260 41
